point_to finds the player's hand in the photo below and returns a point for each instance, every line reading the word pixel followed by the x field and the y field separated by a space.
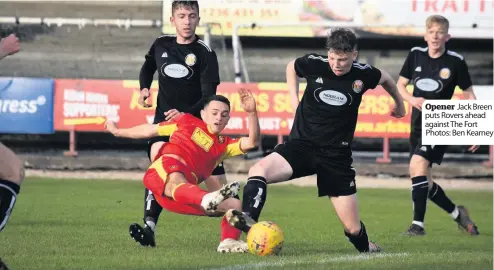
pixel 110 126
pixel 417 102
pixel 247 100
pixel 398 111
pixel 473 148
pixel 142 98
pixel 169 115
pixel 9 45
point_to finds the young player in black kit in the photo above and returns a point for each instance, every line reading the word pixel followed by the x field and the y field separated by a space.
pixel 321 137
pixel 188 73
pixel 434 72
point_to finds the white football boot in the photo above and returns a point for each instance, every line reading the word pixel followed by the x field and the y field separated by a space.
pixel 211 200
pixel 230 245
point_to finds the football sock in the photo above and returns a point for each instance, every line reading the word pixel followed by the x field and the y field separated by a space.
pixel 254 196
pixel 227 231
pixel 8 196
pixel 361 240
pixel 420 189
pixel 188 194
pixel 152 210
pixel 437 195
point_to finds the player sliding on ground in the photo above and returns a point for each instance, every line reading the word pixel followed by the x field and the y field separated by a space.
pixel 194 150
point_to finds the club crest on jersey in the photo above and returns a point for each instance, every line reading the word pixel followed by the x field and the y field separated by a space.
pixel 190 59
pixel 357 86
pixel 221 139
pixel 444 73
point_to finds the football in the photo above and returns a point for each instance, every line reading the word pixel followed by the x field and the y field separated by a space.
pixel 265 238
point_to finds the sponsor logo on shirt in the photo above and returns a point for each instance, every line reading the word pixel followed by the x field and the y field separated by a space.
pixel 332 97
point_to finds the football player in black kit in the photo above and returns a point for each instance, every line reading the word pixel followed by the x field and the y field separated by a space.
pixel 434 72
pixel 188 73
pixel 321 137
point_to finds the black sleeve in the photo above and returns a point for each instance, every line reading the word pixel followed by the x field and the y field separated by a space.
pixel 210 79
pixel 374 77
pixel 463 78
pixel 406 69
pixel 302 66
pixel 147 70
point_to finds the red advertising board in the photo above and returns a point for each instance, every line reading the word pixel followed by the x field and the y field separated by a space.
pixel 84 105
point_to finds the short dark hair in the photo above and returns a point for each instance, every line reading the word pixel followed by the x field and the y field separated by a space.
pixel 341 39
pixel 193 4
pixel 219 98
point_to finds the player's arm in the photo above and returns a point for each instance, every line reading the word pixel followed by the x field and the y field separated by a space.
pixel 406 73
pixel 210 79
pixel 401 85
pixel 254 138
pixel 147 70
pixel 248 103
pixel 244 144
pixel 404 78
pixel 292 81
pixel 136 132
pixel 464 81
pixel 8 46
pixel 390 86
pixel 296 69
pixel 146 77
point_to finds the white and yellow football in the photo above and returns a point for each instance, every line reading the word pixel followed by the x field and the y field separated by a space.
pixel 265 238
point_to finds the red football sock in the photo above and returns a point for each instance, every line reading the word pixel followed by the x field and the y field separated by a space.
pixel 227 231
pixel 188 194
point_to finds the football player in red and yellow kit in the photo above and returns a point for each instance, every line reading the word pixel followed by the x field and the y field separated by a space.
pixel 194 150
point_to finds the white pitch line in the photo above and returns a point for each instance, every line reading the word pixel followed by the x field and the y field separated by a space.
pixel 288 262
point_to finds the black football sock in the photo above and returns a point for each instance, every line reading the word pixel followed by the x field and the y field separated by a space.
pixel 152 210
pixel 437 195
pixel 254 196
pixel 360 241
pixel 8 196
pixel 420 189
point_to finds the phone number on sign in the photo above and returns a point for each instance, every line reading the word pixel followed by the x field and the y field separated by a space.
pixel 240 12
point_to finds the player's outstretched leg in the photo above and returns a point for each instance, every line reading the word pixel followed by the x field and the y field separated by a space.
pixel 254 196
pixel 346 208
pixel 230 236
pixel 458 213
pixel 273 168
pixel 211 201
pixel 465 222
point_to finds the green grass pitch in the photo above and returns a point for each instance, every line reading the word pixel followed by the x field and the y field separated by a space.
pixel 83 224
